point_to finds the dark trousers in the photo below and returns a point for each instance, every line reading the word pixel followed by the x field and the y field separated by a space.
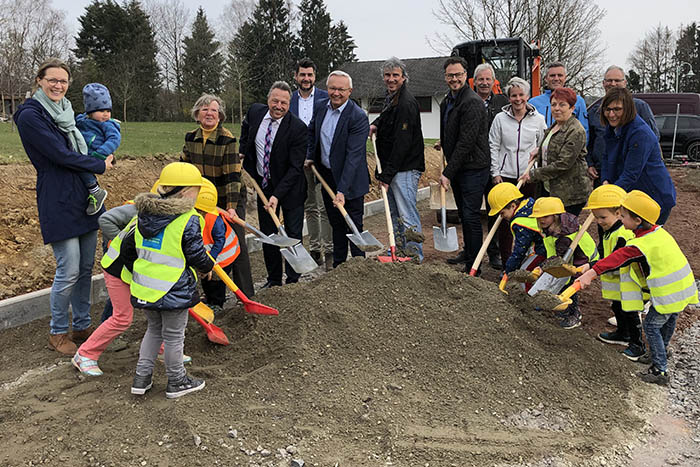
pixel 215 289
pixel 355 208
pixel 628 323
pixel 468 187
pixel 575 209
pixel 242 275
pixel 505 236
pixel 293 225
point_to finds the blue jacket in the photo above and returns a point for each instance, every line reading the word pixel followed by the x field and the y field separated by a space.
pixel 348 155
pixel 596 139
pixel 633 162
pixel 102 138
pixel 541 103
pixel 523 239
pixel 61 196
pixel 218 234
pixel 319 94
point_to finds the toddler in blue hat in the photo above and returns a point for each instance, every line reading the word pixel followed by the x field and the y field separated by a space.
pixel 102 136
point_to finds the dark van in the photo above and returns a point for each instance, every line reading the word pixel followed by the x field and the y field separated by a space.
pixel 667 102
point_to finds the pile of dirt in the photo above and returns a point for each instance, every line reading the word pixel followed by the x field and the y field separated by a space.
pixel 371 364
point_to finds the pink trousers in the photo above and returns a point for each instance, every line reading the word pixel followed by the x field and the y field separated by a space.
pixel 122 315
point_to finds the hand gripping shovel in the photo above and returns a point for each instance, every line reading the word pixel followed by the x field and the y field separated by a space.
pixel 214 333
pixel 274 239
pixel 298 258
pixel 364 240
pixel 553 284
pixel 389 225
pixel 492 232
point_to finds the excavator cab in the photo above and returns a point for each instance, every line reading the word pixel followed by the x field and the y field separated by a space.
pixel 509 57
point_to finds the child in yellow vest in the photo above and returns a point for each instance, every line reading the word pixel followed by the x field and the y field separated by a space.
pixel 662 268
pixel 559 228
pixel 604 202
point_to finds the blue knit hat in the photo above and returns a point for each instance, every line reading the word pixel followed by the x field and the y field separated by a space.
pixel 96 97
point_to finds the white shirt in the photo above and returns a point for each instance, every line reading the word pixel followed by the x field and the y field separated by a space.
pixel 260 139
pixel 306 107
pixel 330 121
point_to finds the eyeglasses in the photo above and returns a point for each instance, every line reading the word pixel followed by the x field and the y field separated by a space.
pixel 54 82
pixel 616 110
pixel 454 75
pixel 334 89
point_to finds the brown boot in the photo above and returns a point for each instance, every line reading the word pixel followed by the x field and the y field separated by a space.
pixel 81 336
pixel 62 344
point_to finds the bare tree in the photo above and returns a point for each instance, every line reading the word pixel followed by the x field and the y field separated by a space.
pixel 232 18
pixel 566 30
pixel 653 59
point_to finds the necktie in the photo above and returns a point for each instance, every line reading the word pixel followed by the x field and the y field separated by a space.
pixel 266 155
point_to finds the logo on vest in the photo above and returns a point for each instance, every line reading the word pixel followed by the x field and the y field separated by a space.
pixel 156 242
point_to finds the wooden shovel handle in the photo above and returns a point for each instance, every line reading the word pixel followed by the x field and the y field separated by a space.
pixel 263 198
pixel 582 230
pixel 527 169
pixel 389 224
pixel 328 189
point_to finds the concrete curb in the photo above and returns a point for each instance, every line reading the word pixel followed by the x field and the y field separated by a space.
pixel 22 309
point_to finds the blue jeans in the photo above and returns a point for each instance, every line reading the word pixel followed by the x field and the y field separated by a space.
pixel 468 186
pixel 88 179
pixel 71 284
pixel 659 330
pixel 402 204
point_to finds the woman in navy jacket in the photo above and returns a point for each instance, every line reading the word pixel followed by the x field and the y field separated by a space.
pixel 633 157
pixel 47 128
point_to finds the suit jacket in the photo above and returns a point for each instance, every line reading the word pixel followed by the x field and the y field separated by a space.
pixel 348 154
pixel 287 181
pixel 319 94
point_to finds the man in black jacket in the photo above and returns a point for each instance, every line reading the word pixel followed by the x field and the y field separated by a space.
pixel 400 149
pixel 464 138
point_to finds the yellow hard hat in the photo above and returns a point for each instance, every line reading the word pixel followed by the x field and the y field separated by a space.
pixel 154 188
pixel 207 198
pixel 502 194
pixel 180 174
pixel 642 205
pixel 606 196
pixel 547 206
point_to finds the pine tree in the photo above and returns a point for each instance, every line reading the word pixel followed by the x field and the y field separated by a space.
pixel 202 61
pixel 341 46
pixel 315 35
pixel 688 50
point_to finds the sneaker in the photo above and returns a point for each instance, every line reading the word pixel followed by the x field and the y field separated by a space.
pixel 655 376
pixel 184 386
pixel 86 366
pixel 96 201
pixel 612 321
pixel 461 258
pixel 141 384
pixel 217 309
pixel 62 344
pixel 614 337
pixel 570 322
pixel 646 358
pixel 634 352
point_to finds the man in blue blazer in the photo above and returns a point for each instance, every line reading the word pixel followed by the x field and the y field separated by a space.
pixel 337 147
pixel 304 99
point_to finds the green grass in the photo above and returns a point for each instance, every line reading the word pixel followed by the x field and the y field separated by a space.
pixel 138 139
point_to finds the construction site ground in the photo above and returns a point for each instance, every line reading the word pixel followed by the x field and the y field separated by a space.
pixel 370 364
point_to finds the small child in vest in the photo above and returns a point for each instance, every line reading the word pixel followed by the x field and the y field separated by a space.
pixel 559 228
pixel 604 202
pixel 221 242
pixel 662 268
pixel 169 246
pixel 506 200
pixel 102 136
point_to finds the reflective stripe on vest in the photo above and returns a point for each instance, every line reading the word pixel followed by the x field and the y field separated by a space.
pixel 114 249
pixel 586 244
pixel 160 261
pixel 610 281
pixel 231 249
pixel 671 282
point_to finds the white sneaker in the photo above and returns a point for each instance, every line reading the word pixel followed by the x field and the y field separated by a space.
pixel 612 321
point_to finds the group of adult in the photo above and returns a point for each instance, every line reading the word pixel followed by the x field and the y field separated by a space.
pixel 486 138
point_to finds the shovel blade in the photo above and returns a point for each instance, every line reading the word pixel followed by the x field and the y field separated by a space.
pixel 445 241
pixel 282 241
pixel 204 312
pixel 259 309
pixel 365 241
pixel 549 283
pixel 214 333
pixel 299 259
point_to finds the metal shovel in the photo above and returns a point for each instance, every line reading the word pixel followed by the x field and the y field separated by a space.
pixel 444 238
pixel 298 258
pixel 273 239
pixel 364 240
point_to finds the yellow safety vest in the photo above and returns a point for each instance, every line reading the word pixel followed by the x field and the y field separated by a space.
pixel 524 221
pixel 160 261
pixel 113 251
pixel 610 281
pixel 671 282
pixel 587 245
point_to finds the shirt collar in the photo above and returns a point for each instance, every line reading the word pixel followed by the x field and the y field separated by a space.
pixel 269 117
pixel 339 109
pixel 311 96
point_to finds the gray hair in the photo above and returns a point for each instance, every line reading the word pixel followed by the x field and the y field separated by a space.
pixel 555 65
pixel 339 73
pixel 206 99
pixel 614 67
pixel 282 85
pixel 517 82
pixel 482 67
pixel 394 62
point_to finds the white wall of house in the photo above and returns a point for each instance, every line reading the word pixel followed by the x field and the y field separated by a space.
pixel 430 121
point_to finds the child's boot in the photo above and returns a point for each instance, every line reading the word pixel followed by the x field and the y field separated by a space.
pixel 635 350
pixel 655 376
pixel 95 201
pixel 619 336
pixel 141 384
pixel 185 386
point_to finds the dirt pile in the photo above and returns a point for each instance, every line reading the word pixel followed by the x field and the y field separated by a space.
pixel 370 364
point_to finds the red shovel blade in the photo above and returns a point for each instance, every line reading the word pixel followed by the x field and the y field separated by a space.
pixel 214 333
pixel 393 258
pixel 254 307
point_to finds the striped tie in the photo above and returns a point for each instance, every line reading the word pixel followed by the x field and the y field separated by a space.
pixel 266 155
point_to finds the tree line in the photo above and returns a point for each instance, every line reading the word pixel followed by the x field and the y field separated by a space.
pixel 156 56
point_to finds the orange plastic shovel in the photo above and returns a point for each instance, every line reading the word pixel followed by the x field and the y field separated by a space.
pixel 214 333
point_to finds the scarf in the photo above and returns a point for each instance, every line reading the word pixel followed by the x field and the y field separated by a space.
pixel 62 114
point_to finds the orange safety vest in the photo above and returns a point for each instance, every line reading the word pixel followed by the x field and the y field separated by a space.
pixel 231 249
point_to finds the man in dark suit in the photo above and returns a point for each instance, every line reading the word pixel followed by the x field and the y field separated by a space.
pixel 273 144
pixel 337 147
pixel 304 99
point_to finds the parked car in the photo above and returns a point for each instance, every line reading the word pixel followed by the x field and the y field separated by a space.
pixel 687 135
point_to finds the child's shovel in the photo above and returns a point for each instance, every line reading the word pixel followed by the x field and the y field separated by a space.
pixel 214 333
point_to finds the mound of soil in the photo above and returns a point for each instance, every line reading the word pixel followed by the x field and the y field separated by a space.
pixel 371 364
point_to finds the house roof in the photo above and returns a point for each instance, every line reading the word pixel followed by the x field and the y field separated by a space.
pixel 425 77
